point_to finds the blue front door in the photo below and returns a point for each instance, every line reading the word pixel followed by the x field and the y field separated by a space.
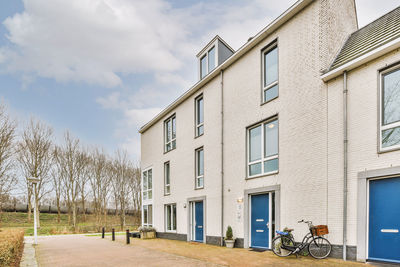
pixel 260 221
pixel 384 220
pixel 198 221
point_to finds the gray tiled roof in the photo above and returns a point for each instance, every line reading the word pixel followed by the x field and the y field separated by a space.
pixel 373 35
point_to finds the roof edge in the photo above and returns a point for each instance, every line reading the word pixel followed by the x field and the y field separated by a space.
pixel 275 24
pixel 367 57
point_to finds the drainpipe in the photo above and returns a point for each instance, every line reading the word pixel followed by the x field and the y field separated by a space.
pixel 222 157
pixel 345 142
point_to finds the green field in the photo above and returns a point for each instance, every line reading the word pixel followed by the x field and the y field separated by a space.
pixel 49 225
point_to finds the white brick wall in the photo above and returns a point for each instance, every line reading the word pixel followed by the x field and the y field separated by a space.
pixel 310 150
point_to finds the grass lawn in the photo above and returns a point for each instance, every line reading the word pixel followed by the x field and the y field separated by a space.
pixel 49 225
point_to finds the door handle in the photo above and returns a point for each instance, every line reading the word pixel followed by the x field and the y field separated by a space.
pixel 268 225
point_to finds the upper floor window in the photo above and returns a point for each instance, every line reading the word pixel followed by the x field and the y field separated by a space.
pixel 270 73
pixel 207 62
pixel 390 109
pixel 147 184
pixel 199 116
pixel 199 168
pixel 263 148
pixel 170 133
pixel 170 218
pixel 167 182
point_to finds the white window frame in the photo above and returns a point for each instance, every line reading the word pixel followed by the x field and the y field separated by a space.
pixel 152 215
pixel 166 143
pixel 263 158
pixel 170 206
pixel 198 125
pixel 390 125
pixel 167 186
pixel 265 51
pixel 207 58
pixel 197 177
pixel 147 190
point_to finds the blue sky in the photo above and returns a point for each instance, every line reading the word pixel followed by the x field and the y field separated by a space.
pixel 102 68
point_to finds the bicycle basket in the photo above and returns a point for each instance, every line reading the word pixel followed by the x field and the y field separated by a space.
pixel 319 230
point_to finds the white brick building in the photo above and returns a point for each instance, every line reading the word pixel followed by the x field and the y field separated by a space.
pixel 216 157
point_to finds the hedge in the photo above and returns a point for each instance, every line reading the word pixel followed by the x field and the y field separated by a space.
pixel 11 246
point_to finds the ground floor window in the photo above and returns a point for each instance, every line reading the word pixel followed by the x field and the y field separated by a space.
pixel 170 217
pixel 147 215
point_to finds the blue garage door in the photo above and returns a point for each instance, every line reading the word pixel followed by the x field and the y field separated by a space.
pixel 260 221
pixel 384 220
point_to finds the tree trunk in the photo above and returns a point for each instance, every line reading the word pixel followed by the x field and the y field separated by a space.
pixel 74 215
pixel 58 211
pixel 83 207
pixel 29 207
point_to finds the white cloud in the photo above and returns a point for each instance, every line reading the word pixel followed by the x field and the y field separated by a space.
pixel 94 40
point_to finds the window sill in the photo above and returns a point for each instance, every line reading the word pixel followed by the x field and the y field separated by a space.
pixel 386 150
pixel 262 175
pixel 171 231
pixel 197 136
pixel 165 152
pixel 266 102
pixel 198 188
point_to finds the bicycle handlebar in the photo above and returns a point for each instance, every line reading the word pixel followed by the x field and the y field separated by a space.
pixel 303 221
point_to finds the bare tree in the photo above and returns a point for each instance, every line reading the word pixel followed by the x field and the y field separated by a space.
pixel 136 191
pixel 99 181
pixel 35 158
pixel 7 175
pixel 57 174
pixel 73 162
pixel 122 169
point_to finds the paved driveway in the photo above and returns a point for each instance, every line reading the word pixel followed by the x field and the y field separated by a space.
pixel 80 250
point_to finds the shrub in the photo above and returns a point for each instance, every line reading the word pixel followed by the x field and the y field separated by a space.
pixel 229 233
pixel 11 246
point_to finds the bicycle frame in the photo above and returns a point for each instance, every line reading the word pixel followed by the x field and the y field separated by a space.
pixel 304 243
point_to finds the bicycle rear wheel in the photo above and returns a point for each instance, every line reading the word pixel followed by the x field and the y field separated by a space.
pixel 277 245
pixel 320 247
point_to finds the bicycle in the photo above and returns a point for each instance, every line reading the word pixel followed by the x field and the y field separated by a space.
pixel 318 246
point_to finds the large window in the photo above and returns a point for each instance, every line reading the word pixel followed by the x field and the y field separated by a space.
pixel 390 109
pixel 147 184
pixel 167 179
pixel 199 116
pixel 170 217
pixel 199 168
pixel 263 148
pixel 270 73
pixel 170 133
pixel 147 215
pixel 207 62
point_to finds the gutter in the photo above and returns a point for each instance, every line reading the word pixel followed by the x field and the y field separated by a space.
pixel 222 157
pixel 345 143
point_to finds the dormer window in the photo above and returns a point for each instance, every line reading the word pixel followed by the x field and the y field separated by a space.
pixel 212 55
pixel 207 62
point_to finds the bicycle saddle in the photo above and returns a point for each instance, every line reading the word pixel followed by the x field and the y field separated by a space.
pixel 282 233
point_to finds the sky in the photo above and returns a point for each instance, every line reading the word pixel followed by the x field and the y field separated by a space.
pixel 103 68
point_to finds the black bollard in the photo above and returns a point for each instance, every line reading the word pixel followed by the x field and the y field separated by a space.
pixel 128 237
pixel 113 234
pixel 102 232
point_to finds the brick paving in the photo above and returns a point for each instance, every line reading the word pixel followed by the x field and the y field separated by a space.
pixel 80 250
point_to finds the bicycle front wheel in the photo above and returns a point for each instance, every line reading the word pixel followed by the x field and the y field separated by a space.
pixel 277 246
pixel 320 247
